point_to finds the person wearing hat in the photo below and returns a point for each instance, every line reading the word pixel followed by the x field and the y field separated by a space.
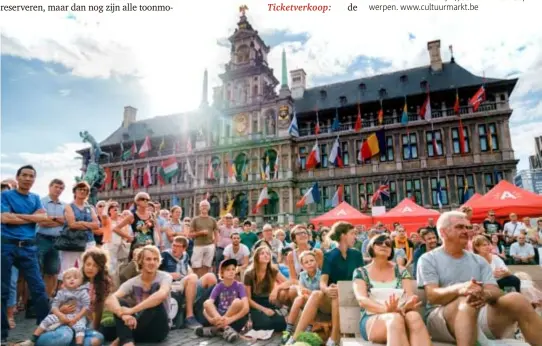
pixel 227 308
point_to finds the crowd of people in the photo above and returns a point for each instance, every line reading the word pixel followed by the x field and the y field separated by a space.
pixel 96 274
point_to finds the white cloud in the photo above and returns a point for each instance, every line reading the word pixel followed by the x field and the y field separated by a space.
pixel 64 92
pixel 60 164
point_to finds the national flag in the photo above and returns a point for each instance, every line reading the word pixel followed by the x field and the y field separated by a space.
pixel 465 190
pixel 456 104
pixel 210 173
pixel 263 199
pixel 262 171
pixel 383 193
pixel 409 146
pixel 436 148
pixel 310 197
pixel 338 197
pixel 489 138
pixel 317 126
pixel 462 142
pixel 145 148
pixel 439 193
pixel 336 125
pixel 162 145
pixel 189 169
pixel 133 149
pixel 314 157
pixel 293 129
pixel 108 178
pixel 373 145
pixel 267 168
pixel 135 182
pixel 232 172
pixel 404 115
pixel 207 196
pixel 335 156
pixel 359 124
pixel 122 181
pixel 126 154
pixel 116 181
pixel 380 116
pixel 176 147
pixel 189 146
pixel 147 177
pixel 477 99
pixel 169 168
pixel 175 201
pixel 277 163
pixel 298 161
pixel 425 111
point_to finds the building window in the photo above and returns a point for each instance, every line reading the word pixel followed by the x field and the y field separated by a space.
pixel 488 137
pixel 491 179
pixel 303 157
pixel 140 172
pixel 410 146
pixel 325 201
pixel 365 192
pixel 387 156
pixel 433 140
pixel 392 201
pixel 272 208
pixel 443 191
pixel 344 152
pixel 359 144
pixel 347 194
pixel 154 175
pixel 456 141
pixel 323 156
pixel 413 190
pixel 465 187
pixel 302 192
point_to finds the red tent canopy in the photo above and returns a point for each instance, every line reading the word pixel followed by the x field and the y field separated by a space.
pixel 409 215
pixel 474 197
pixel 506 198
pixel 343 212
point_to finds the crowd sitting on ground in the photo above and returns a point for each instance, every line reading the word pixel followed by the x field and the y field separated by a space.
pixel 96 273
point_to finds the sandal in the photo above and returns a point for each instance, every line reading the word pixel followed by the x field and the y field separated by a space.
pixel 207 332
pixel 229 334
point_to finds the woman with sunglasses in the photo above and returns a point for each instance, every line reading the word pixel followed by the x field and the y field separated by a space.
pixel 388 321
pixel 300 239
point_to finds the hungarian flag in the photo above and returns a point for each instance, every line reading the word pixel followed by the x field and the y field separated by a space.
pixel 359 124
pixel 477 99
pixel 145 148
pixel 147 177
pixel 262 200
pixel 169 168
pixel 310 197
pixel 314 157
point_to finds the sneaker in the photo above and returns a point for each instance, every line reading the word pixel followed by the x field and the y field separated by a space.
pixel 330 342
pixel 229 334
pixel 290 341
pixel 208 332
pixel 192 323
pixel 285 337
pixel 26 343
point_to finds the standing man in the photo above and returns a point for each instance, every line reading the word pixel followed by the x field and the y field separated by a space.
pixel 225 230
pixel 204 231
pixel 248 238
pixel 21 210
pixel 47 232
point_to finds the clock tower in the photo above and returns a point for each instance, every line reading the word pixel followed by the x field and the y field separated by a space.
pixel 248 94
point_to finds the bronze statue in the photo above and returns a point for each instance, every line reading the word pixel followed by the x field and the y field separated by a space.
pixel 94 174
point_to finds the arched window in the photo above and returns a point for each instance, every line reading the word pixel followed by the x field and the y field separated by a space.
pixel 240 206
pixel 241 167
pixel 243 53
pixel 270 159
pixel 215 164
pixel 272 208
pixel 215 206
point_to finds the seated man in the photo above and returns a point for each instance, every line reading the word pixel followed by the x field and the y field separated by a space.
pixel 185 282
pixel 237 251
pixel 462 294
pixel 147 320
pixel 521 251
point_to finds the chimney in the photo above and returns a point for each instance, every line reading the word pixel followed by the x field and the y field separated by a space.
pixel 434 55
pixel 130 114
pixel 299 83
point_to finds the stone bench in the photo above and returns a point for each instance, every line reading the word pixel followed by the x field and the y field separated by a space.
pixel 349 313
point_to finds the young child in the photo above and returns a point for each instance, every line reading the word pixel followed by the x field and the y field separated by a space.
pixel 309 280
pixel 71 292
pixel 227 308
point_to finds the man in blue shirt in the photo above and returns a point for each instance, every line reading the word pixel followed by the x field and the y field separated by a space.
pixel 47 232
pixel 21 210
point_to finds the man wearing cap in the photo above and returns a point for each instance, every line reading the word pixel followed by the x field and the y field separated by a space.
pixel 204 231
pixel 225 229
pixel 21 210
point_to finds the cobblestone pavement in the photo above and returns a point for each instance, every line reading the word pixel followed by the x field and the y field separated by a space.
pixel 180 337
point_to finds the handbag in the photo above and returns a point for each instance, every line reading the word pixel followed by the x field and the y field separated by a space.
pixel 70 240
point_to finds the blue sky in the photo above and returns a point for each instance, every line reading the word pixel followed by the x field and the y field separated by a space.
pixel 78 73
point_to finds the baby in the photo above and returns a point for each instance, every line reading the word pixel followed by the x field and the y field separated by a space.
pixel 71 292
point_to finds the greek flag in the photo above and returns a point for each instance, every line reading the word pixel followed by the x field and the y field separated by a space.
pixel 294 129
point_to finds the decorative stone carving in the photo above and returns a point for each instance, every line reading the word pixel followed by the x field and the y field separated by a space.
pixel 270 123
pixel 241 123
pixel 284 117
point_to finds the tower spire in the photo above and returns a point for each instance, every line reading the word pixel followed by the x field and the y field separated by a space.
pixel 284 81
pixel 204 93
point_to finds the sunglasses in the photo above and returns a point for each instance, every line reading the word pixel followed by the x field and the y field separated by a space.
pixel 144 199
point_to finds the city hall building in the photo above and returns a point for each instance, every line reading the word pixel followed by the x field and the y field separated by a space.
pixel 229 149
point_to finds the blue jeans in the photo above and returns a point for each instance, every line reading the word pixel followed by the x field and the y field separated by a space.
pixel 64 336
pixel 12 300
pixel 26 260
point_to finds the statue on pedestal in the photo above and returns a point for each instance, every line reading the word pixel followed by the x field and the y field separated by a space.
pixel 94 174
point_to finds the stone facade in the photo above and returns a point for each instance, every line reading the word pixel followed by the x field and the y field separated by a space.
pixel 247 127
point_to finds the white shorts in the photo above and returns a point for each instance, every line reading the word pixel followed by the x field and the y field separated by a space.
pixel 70 259
pixel 203 256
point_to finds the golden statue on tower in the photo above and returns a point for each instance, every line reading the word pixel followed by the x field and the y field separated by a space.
pixel 243 9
